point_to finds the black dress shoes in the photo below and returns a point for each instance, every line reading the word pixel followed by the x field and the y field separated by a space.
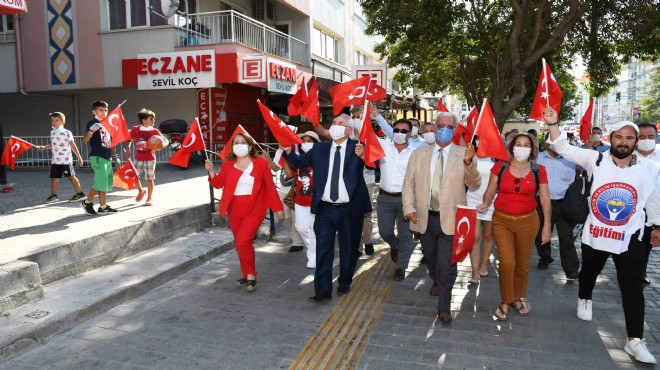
pixel 319 299
pixel 399 274
pixel 369 249
pixel 444 316
pixel 296 248
pixel 342 291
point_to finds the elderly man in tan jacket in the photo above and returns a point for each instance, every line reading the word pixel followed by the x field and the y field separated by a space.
pixel 433 186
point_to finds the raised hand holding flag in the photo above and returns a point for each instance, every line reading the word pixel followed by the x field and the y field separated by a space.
pixel 466 222
pixel 115 124
pixel 13 149
pixel 193 142
pixel 283 134
pixel 548 93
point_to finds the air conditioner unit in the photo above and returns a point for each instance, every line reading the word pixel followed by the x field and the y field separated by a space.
pixel 264 10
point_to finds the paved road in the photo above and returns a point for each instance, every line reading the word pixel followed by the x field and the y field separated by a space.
pixel 202 321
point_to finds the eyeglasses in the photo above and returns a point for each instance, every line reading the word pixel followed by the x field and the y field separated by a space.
pixel 517 182
pixel 401 130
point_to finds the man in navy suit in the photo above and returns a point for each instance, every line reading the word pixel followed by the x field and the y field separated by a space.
pixel 340 201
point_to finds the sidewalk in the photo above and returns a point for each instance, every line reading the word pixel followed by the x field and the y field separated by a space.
pixel 200 320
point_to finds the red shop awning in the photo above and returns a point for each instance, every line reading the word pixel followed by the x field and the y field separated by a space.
pixel 13 6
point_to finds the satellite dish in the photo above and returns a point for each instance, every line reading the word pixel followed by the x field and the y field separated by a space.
pixel 169 7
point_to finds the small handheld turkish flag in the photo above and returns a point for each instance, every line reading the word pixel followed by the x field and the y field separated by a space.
pixel 351 92
pixel 548 93
pixel 373 151
pixel 311 109
pixel 126 177
pixel 193 142
pixel 490 141
pixel 280 130
pixel 238 130
pixel 441 107
pixel 466 222
pixel 298 100
pixel 376 92
pixel 586 121
pixel 115 124
pixel 13 149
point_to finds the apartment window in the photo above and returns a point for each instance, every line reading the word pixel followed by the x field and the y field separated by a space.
pixel 134 13
pixel 6 24
pixel 325 45
pixel 361 58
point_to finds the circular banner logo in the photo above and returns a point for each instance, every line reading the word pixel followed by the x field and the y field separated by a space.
pixel 613 203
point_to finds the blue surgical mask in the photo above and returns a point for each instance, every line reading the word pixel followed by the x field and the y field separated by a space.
pixel 445 135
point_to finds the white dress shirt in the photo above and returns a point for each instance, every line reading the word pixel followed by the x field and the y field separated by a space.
pixel 343 193
pixel 654 156
pixel 245 182
pixel 393 166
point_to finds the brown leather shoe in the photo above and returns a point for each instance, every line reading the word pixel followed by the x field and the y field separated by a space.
pixel 435 290
pixel 444 316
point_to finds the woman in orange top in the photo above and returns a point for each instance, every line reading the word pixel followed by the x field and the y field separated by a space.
pixel 248 191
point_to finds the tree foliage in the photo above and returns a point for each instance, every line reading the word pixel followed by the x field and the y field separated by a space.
pixel 492 49
pixel 651 103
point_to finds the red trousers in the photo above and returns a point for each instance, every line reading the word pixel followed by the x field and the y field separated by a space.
pixel 244 223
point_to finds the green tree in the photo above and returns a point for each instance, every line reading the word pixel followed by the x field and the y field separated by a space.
pixel 651 103
pixel 492 49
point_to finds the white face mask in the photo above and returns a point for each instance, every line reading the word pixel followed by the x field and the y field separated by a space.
pixel 415 131
pixel 521 153
pixel 355 123
pixel 57 129
pixel 597 138
pixel 306 147
pixel 240 149
pixel 337 132
pixel 399 138
pixel 429 137
pixel 646 145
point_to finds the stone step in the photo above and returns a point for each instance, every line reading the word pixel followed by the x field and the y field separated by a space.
pixel 69 301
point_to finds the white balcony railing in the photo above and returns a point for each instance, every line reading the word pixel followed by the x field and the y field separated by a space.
pixel 232 27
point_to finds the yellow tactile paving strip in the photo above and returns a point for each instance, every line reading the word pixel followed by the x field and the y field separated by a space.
pixel 340 340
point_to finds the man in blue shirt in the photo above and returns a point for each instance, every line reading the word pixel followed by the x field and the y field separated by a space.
pixel 561 174
pixel 594 141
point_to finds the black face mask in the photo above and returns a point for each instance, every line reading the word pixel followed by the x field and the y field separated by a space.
pixel 622 155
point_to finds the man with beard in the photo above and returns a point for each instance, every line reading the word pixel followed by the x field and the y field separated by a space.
pixel 624 184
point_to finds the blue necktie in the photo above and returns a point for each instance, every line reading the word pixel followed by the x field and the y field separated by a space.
pixel 334 180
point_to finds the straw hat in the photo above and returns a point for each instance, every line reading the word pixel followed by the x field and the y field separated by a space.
pixel 311 134
pixel 535 141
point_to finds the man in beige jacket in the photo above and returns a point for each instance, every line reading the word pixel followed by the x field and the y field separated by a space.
pixel 432 188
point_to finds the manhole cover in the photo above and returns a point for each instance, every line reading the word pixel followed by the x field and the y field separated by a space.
pixel 37 314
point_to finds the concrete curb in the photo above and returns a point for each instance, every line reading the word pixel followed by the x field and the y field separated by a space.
pixel 70 301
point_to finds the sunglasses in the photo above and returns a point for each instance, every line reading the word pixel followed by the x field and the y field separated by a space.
pixel 401 130
pixel 517 182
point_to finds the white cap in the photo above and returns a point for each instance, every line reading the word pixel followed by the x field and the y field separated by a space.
pixel 621 124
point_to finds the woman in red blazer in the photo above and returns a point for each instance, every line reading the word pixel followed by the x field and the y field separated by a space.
pixel 248 191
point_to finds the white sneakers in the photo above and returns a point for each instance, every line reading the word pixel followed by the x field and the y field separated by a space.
pixel 584 309
pixel 637 348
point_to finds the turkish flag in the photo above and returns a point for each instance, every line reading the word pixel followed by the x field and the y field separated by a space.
pixel 586 121
pixel 283 134
pixel 441 107
pixel 193 142
pixel 376 92
pixel 115 124
pixel 13 149
pixel 467 129
pixel 310 108
pixel 126 177
pixel 490 141
pixel 466 222
pixel 373 151
pixel 547 93
pixel 349 93
pixel 298 100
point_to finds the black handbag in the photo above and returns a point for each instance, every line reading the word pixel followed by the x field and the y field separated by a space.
pixel 575 207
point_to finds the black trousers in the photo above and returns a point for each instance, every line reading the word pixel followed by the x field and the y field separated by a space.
pixel 646 243
pixel 438 248
pixel 629 275
pixel 567 252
